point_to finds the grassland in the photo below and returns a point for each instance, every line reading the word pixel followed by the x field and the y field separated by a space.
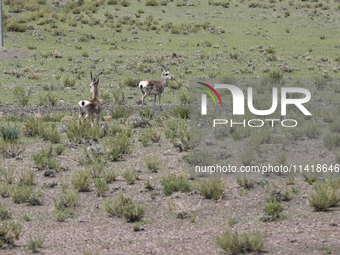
pixel 124 187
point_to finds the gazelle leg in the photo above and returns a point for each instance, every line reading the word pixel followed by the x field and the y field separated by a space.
pixel 80 113
pixel 143 98
pixel 154 101
pixel 159 97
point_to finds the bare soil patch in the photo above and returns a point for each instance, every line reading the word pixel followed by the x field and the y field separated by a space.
pixel 10 54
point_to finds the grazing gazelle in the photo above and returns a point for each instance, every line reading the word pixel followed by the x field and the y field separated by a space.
pixel 92 108
pixel 149 87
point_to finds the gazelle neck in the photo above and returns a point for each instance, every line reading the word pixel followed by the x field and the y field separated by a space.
pixel 164 81
pixel 95 92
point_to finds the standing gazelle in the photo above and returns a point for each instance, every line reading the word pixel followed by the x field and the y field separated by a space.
pixel 92 108
pixel 149 87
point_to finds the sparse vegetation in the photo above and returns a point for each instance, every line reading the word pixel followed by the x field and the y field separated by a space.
pixel 211 188
pixel 172 183
pixel 235 243
pixel 50 49
pixel 124 207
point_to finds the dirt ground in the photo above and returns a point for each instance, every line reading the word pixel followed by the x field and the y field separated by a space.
pixel 10 54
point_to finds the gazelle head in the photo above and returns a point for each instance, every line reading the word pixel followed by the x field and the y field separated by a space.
pixel 166 74
pixel 94 81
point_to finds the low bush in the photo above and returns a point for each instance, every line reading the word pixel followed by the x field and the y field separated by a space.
pixel 273 208
pixel 35 243
pixel 245 182
pixel 21 194
pixel 5 212
pixel 118 145
pixel 130 176
pixel 9 232
pixel 326 194
pixel 124 207
pixel 212 188
pixel 153 163
pixel 109 175
pixel 101 186
pixel 9 132
pixel 172 183
pixel 65 204
pixel 80 131
pixel 80 180
pixel 44 159
pixel 235 243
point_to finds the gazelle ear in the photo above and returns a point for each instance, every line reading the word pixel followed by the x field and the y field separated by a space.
pixel 97 81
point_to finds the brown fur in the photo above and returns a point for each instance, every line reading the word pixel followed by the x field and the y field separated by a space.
pixel 94 108
pixel 154 87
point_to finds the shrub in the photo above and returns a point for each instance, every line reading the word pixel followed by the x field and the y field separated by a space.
pixel 152 162
pixel 124 207
pixel 81 130
pixel 120 111
pixel 5 212
pixel 181 111
pixel 22 95
pixel 212 188
pixel 50 133
pixel 246 182
pixel 9 231
pixel 66 203
pixel 80 181
pixel 273 208
pixel 234 243
pixel 151 3
pixel 118 145
pixel 313 131
pixel 111 2
pixel 130 82
pixel 109 175
pixel 247 156
pixel 14 26
pixel 125 3
pixel 59 149
pixel 331 140
pixel 154 134
pixel 35 243
pixel 172 183
pixel 69 82
pixel 26 177
pixel 144 138
pixel 175 85
pixel 21 194
pixel 32 126
pixel 276 75
pixel 101 186
pixel 9 132
pixel 326 194
pixel 130 176
pixel 44 159
pixel 178 133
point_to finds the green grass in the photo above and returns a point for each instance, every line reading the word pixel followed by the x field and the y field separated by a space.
pixel 52 70
pixel 124 207
pixel 235 243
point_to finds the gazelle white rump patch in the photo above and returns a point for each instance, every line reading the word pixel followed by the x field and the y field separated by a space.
pixel 82 105
pixel 143 83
